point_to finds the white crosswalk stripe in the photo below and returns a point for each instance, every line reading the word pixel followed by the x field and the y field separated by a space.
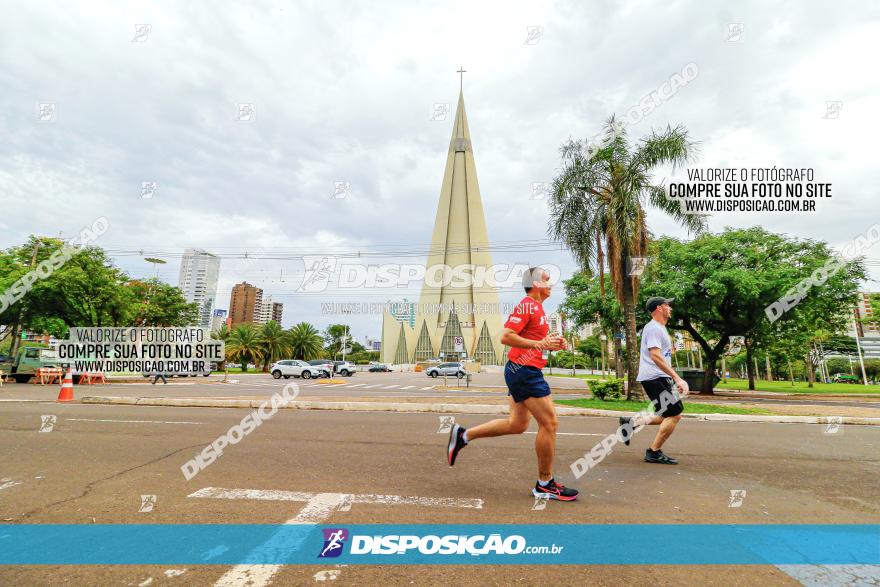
pixel 390 386
pixel 408 387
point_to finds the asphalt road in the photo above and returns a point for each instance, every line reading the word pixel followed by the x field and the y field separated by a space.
pixel 373 385
pixel 98 460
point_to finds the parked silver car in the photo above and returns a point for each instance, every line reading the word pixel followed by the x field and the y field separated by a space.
pixel 295 368
pixel 455 369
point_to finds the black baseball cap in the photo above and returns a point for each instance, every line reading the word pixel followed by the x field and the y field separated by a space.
pixel 657 301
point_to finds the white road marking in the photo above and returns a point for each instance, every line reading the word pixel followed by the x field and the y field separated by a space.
pixel 832 575
pixel 326 575
pixel 370 386
pixel 280 495
pixel 128 421
pixel 408 387
pixel 424 388
pixel 358 384
pixel 174 572
pixel 390 386
pixel 318 508
pixel 7 484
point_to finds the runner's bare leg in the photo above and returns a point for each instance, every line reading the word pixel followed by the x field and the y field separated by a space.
pixel 545 443
pixel 516 423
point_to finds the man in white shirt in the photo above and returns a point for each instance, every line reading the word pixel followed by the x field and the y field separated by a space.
pixel 660 382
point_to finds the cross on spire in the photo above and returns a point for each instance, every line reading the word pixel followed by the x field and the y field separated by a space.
pixel 461 71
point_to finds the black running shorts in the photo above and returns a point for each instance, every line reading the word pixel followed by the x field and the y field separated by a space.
pixel 665 404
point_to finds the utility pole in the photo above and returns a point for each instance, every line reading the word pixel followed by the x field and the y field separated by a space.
pixel 16 325
pixel 861 360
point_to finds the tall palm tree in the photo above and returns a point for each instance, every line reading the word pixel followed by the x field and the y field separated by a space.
pixel 244 345
pixel 305 342
pixel 597 209
pixel 221 333
pixel 275 343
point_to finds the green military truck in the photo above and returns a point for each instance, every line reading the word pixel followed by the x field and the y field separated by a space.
pixel 24 366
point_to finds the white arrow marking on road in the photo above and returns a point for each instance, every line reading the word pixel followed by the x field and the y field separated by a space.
pixel 319 507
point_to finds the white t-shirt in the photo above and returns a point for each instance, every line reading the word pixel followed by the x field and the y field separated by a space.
pixel 654 335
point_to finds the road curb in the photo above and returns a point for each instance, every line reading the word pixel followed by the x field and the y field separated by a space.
pixel 444 408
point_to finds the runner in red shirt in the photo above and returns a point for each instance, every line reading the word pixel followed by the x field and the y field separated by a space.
pixel 526 333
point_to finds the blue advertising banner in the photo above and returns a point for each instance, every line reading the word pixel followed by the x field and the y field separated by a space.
pixel 624 544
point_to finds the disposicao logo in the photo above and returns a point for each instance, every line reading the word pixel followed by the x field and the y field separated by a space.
pixel 334 540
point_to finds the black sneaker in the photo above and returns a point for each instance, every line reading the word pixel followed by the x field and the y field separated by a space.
pixel 555 491
pixel 658 457
pixel 456 443
pixel 626 424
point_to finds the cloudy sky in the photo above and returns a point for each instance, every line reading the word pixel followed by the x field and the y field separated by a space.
pixel 344 92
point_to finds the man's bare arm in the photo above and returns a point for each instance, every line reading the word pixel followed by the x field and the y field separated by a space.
pixel 661 363
pixel 550 343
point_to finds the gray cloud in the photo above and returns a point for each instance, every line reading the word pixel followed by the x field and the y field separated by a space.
pixel 343 93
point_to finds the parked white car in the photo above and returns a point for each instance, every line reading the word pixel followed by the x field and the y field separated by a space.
pixel 295 368
pixel 455 369
pixel 344 368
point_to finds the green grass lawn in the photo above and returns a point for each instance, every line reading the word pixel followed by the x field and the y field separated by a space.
pixel 798 387
pixel 562 373
pixel 634 406
pixel 777 386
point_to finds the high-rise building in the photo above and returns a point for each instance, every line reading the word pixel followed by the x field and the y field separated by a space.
pixel 218 320
pixel 467 323
pixel 556 323
pixel 245 304
pixel 199 272
pixel 269 310
pixel 865 311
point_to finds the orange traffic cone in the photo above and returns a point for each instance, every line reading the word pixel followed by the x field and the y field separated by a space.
pixel 66 394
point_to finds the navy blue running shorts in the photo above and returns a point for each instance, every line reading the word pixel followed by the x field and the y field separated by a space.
pixel 524 381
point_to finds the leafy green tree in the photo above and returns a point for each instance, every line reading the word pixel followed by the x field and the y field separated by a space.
pixel 723 284
pixel 156 303
pixel 587 302
pixel 88 290
pixel 15 308
pixel 275 343
pixel 363 357
pixel 591 348
pixel 85 290
pixel 597 209
pixel 244 345
pixel 335 339
pixel 305 341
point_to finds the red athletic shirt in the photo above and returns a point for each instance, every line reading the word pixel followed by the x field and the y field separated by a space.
pixel 529 321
